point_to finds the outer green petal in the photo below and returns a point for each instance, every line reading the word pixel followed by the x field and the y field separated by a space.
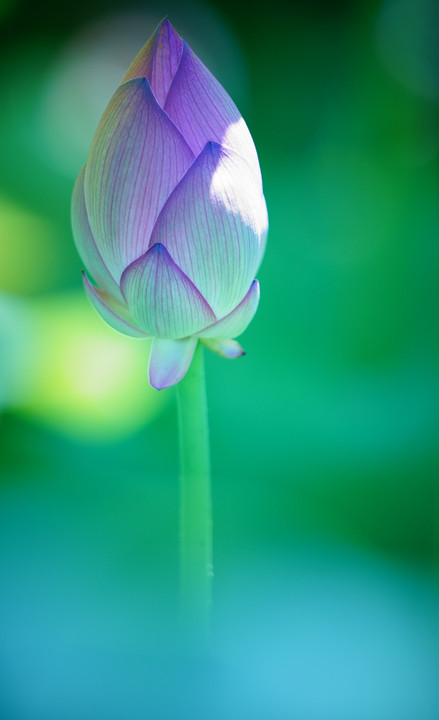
pixel 162 299
pixel 169 361
pixel 110 311
pixel 85 242
pixel 235 322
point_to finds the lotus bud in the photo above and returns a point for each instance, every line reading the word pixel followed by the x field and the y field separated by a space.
pixel 168 213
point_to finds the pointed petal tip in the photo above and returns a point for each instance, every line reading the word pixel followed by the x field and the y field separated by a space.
pixel 155 384
pixel 159 248
pixel 255 289
pixel 214 147
pixel 166 23
pixel 163 300
pixel 140 84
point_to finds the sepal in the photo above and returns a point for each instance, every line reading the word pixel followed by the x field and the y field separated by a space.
pixel 229 349
pixel 169 361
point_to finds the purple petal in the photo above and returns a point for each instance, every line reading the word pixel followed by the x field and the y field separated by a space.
pixel 158 60
pixel 203 111
pixel 237 321
pixel 110 311
pixel 136 158
pixel 229 349
pixel 86 245
pixel 162 299
pixel 169 361
pixel 212 226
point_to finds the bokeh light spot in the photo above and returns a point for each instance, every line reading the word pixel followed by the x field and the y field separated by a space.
pixel 83 378
pixel 29 249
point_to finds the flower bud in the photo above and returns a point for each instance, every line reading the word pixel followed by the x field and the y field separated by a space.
pixel 168 213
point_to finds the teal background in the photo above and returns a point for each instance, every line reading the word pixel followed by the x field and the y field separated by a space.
pixel 324 436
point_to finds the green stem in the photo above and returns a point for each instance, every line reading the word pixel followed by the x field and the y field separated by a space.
pixel 195 500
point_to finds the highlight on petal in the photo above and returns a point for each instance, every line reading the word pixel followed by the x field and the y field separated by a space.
pixel 110 311
pixel 85 242
pixel 162 299
pixel 169 361
pixel 203 111
pixel 237 321
pixel 229 349
pixel 212 226
pixel 136 158
pixel 158 60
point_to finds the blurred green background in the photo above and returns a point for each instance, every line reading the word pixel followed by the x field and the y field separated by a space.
pixel 324 437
